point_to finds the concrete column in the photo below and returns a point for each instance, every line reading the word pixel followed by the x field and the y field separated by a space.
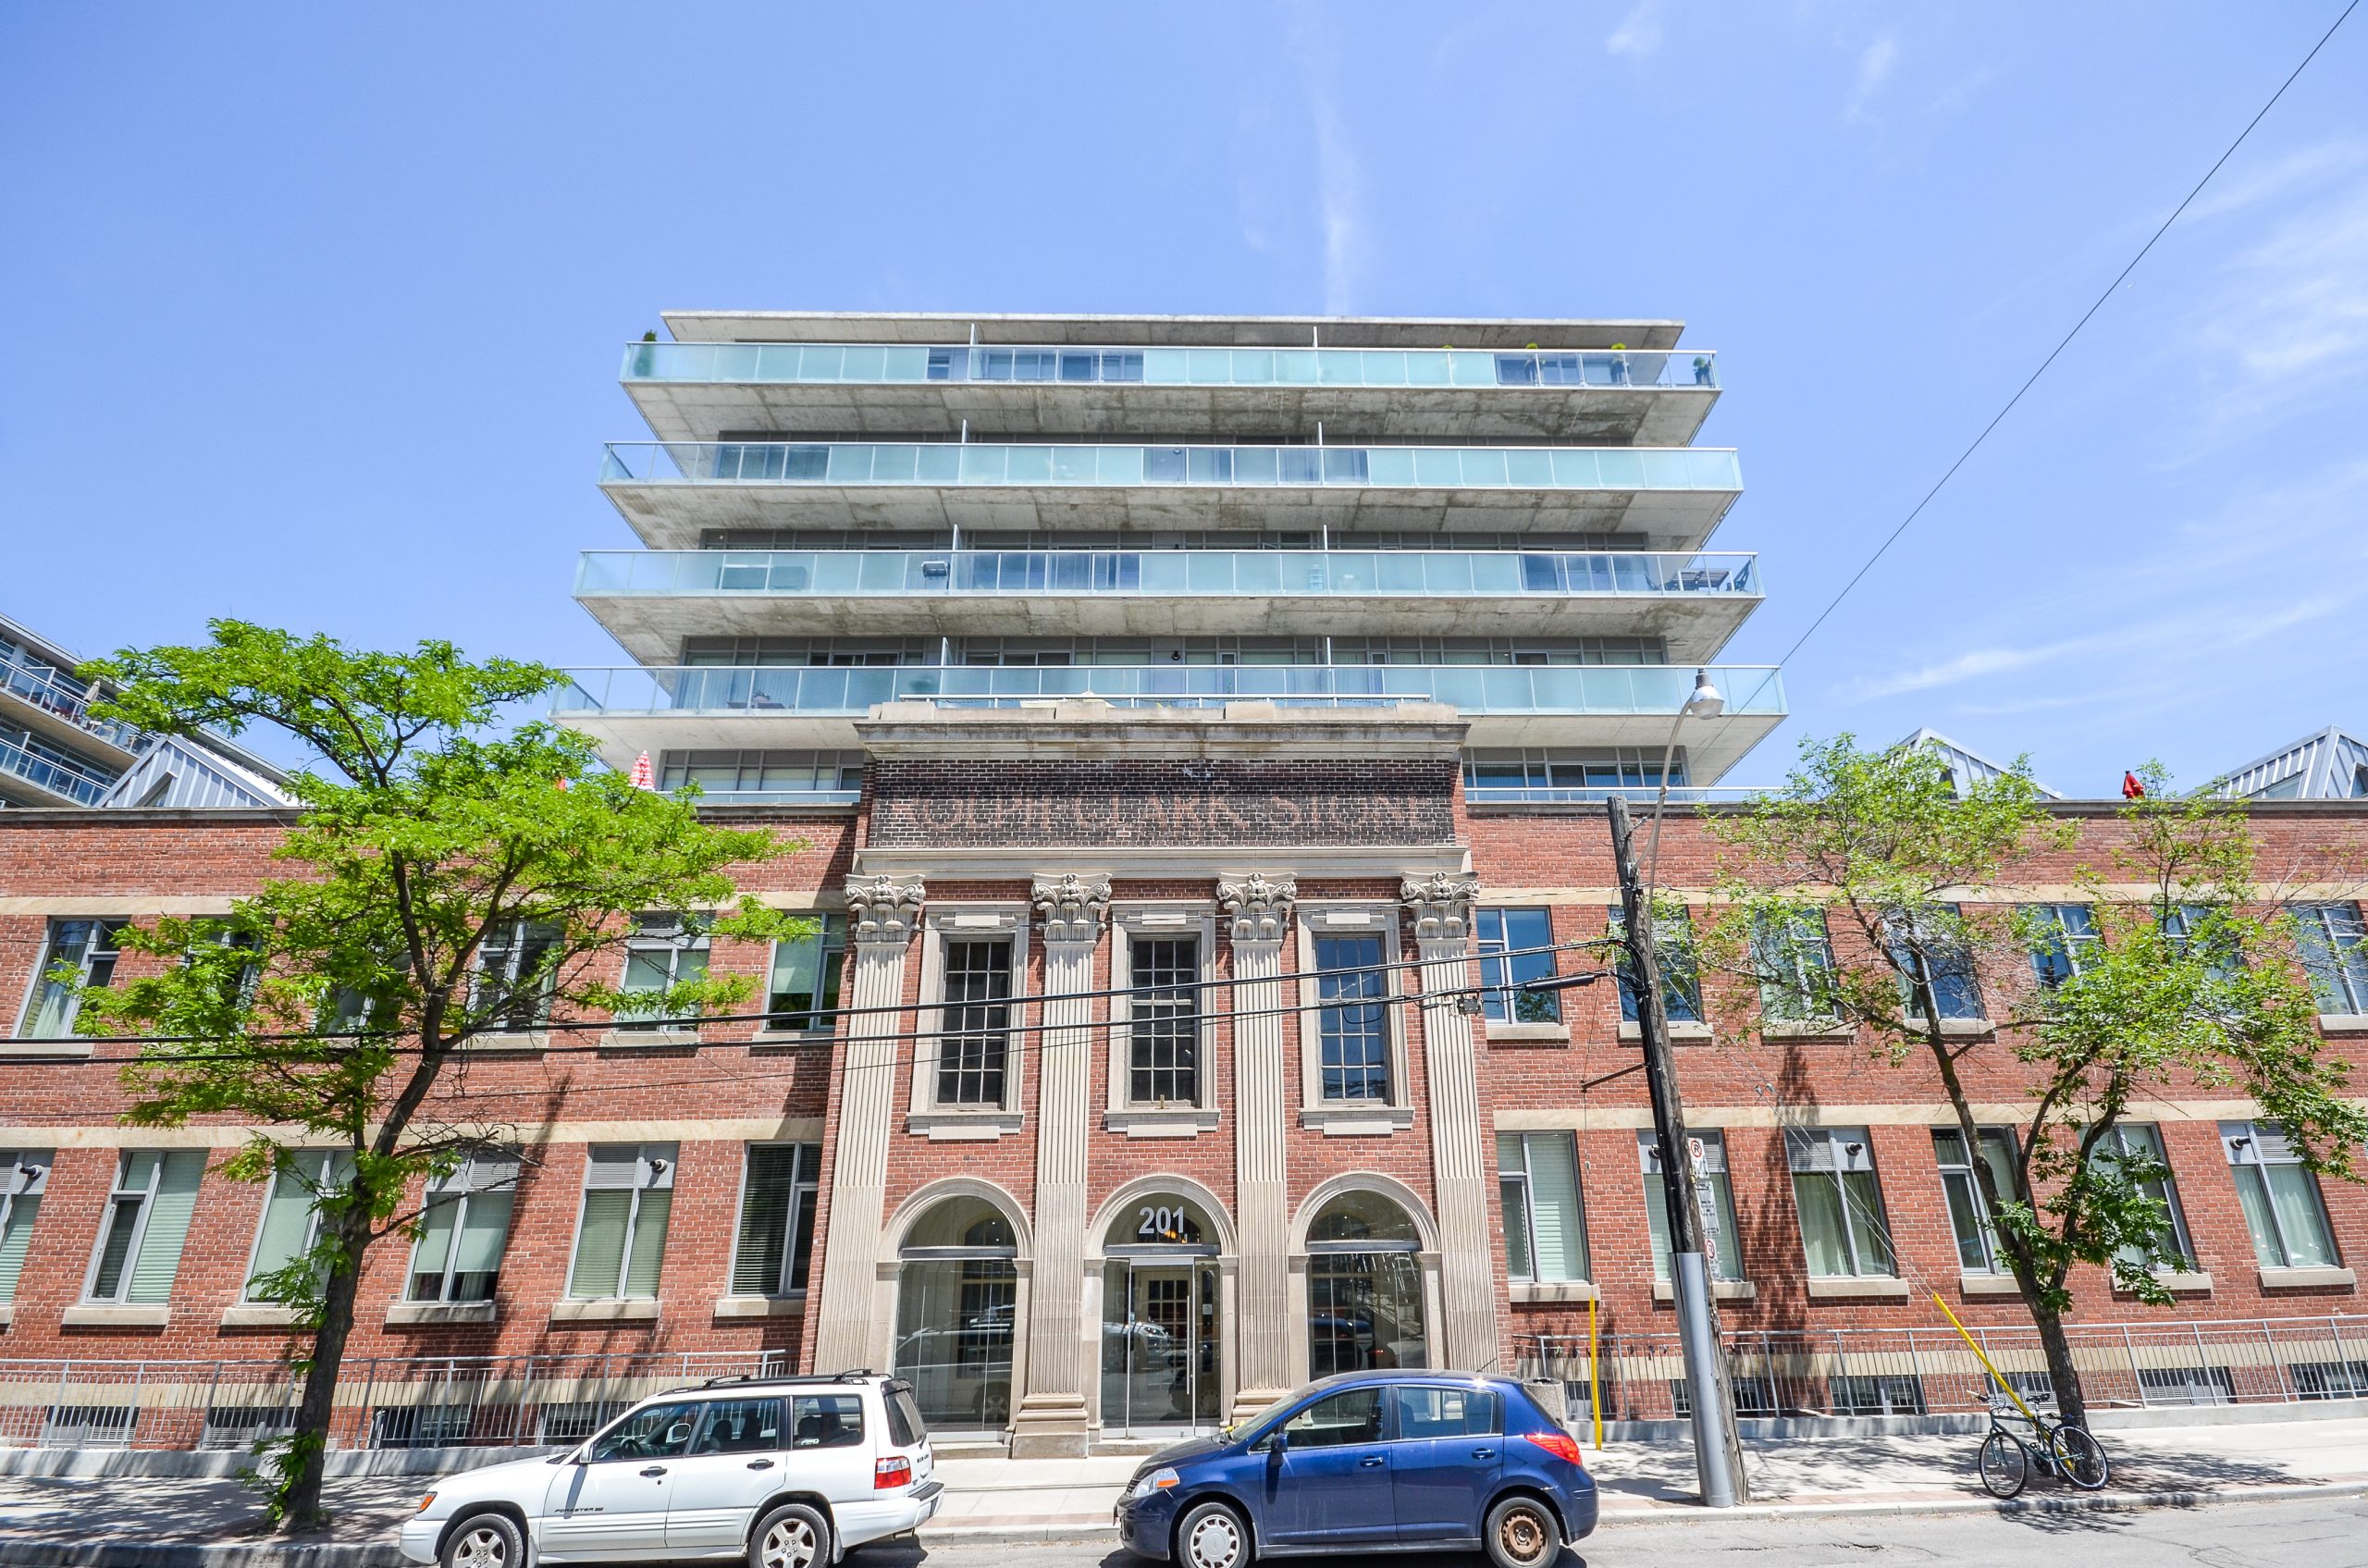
pixel 1051 1420
pixel 1461 1168
pixel 882 914
pixel 1263 1093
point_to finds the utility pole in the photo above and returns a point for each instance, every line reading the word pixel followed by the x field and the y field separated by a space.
pixel 1718 1451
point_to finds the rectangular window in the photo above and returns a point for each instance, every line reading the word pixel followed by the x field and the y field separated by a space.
pixel 465 1230
pixel 147 1221
pixel 24 1176
pixel 1546 1235
pixel 827 1421
pixel 975 1051
pixel 1164 1020
pixel 1933 950
pixel 803 991
pixel 2281 1199
pixel 2138 1148
pixel 1884 1394
pixel 741 1426
pixel 2335 953
pixel 1514 932
pixel 291 1214
pixel 621 1239
pixel 1727 1264
pixel 1968 1214
pixel 1681 988
pixel 1446 1412
pixel 664 951
pixel 1353 1022
pixel 1842 1206
pixel 2068 939
pixel 776 1240
pixel 87 949
pixel 1795 956
pixel 517 971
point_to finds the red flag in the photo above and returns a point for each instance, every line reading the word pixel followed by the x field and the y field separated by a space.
pixel 2131 789
pixel 642 777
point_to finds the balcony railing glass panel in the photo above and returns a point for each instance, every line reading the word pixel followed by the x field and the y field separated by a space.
pixel 951 463
pixel 67 701
pixel 56 777
pixel 897 364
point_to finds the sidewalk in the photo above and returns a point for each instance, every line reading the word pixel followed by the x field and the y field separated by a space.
pixel 170 1522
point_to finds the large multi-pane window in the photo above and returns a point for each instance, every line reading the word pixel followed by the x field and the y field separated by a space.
pixel 1728 1245
pixel 1969 1212
pixel 2335 951
pixel 1546 1235
pixel 664 951
pixel 2135 1148
pixel 1841 1207
pixel 621 1239
pixel 802 991
pixel 1930 950
pixel 2067 941
pixel 2283 1208
pixel 1794 957
pixel 975 1051
pixel 291 1214
pixel 84 952
pixel 1352 1020
pixel 1164 1020
pixel 24 1176
pixel 776 1238
pixel 516 975
pixel 465 1228
pixel 1508 940
pixel 1673 944
pixel 147 1219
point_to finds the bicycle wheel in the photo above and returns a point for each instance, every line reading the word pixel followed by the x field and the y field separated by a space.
pixel 2006 1464
pixel 2080 1458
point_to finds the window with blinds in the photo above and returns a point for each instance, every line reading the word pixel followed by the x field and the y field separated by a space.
pixel 621 1236
pixel 147 1221
pixel 775 1245
pixel 291 1214
pixel 1537 1175
pixel 464 1229
pixel 24 1176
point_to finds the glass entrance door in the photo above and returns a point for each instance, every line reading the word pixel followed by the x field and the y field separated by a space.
pixel 1159 1346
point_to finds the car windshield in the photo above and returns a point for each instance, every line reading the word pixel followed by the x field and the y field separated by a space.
pixel 1267 1414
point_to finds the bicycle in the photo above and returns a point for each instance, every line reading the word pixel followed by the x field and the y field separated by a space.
pixel 2064 1453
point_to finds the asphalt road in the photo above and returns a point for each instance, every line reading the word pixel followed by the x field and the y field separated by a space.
pixel 2313 1533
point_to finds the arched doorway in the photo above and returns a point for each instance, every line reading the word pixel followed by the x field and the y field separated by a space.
pixel 1163 1340
pixel 958 1304
pixel 1364 1287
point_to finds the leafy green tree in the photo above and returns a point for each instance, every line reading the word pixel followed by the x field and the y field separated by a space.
pixel 332 1006
pixel 2189 984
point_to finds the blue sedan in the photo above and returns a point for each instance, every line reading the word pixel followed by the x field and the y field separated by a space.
pixel 1368 1462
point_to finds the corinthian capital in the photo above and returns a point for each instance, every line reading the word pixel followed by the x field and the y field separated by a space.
pixel 1259 905
pixel 1072 907
pixel 882 911
pixel 1442 905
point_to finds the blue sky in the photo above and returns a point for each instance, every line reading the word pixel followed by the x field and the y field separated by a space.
pixel 316 309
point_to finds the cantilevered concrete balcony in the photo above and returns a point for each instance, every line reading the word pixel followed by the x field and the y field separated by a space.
pixel 1670 497
pixel 28 778
pixel 59 711
pixel 1617 397
pixel 727 708
pixel 652 600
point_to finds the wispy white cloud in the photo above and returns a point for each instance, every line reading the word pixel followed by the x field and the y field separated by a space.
pixel 1340 201
pixel 1876 63
pixel 1639 32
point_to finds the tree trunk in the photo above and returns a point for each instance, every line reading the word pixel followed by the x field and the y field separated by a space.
pixel 2071 1407
pixel 300 1489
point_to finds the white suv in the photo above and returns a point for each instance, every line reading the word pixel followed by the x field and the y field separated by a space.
pixel 782 1472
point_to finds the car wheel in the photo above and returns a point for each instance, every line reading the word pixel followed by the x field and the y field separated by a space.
pixel 1522 1533
pixel 1212 1535
pixel 792 1536
pixel 486 1540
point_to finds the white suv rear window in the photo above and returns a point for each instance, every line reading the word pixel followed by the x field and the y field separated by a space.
pixel 826 1421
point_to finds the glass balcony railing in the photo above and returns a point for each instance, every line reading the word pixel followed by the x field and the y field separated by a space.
pixel 901 364
pixel 1160 574
pixel 56 777
pixel 983 462
pixel 68 702
pixel 801 691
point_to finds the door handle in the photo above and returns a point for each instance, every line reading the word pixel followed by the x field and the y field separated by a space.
pixel 1484 1453
pixel 1371 1462
pixel 761 1465
pixel 655 1470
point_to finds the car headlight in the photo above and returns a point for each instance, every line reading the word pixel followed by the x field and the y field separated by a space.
pixel 1157 1481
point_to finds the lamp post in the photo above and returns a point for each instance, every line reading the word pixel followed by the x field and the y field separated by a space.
pixel 1718 1452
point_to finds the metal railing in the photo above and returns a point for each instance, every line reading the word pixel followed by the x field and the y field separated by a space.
pixel 915 365
pixel 1931 1371
pixel 1123 465
pixel 58 778
pixel 792 691
pixel 68 702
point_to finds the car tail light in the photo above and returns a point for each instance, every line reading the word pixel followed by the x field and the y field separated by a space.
pixel 1561 1445
pixel 894 1470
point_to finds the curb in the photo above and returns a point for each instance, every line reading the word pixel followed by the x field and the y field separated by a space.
pixel 22 1553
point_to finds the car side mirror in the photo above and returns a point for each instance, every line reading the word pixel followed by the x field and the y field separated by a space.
pixel 1279 1444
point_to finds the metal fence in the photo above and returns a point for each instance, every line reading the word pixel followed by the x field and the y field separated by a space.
pixel 1932 1372
pixel 382 1403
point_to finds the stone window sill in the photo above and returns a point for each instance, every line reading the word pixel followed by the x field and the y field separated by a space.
pixel 422 1314
pixel 1547 1033
pixel 759 1306
pixel 1721 1289
pixel 2343 1023
pixel 1679 1033
pixel 1958 1028
pixel 1159 1121
pixel 2198 1283
pixel 1360 1121
pixel 8 1313
pixel 520 1042
pixel 2306 1278
pixel 1972 1284
pixel 771 1040
pixel 111 1314
pixel 259 1315
pixel 1814 1029
pixel 1856 1287
pixel 609 1310
pixel 74 1050
pixel 647 1038
pixel 1540 1293
pixel 976 1126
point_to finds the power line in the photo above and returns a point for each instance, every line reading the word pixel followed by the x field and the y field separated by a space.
pixel 1893 537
